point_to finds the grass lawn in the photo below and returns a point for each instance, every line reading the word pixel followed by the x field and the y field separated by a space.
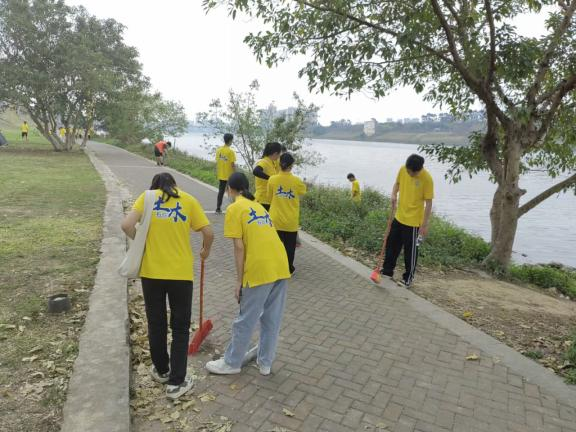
pixel 50 230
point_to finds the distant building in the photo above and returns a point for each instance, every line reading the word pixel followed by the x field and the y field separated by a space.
pixel 411 120
pixel 370 127
pixel 430 117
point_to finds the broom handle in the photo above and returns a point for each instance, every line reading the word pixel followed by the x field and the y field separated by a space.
pixel 386 234
pixel 201 291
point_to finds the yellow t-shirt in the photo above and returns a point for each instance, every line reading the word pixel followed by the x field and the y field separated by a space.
pixel 62 132
pixel 285 190
pixel 168 254
pixel 225 157
pixel 265 259
pixel 24 127
pixel 270 168
pixel 413 192
pixel 356 194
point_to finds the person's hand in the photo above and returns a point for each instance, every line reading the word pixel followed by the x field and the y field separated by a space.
pixel 204 253
pixel 238 292
pixel 423 231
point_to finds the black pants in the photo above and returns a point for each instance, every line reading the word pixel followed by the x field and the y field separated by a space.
pixel 221 190
pixel 179 295
pixel 289 240
pixel 401 236
pixel 266 207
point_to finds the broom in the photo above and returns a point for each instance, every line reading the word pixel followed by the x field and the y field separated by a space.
pixel 375 275
pixel 205 326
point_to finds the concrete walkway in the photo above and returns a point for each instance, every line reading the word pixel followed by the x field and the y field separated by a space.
pixel 354 356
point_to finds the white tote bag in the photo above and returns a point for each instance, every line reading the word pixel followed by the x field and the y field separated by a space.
pixel 130 266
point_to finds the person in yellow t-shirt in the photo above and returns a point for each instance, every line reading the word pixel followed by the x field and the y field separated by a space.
pixel 356 194
pixel 410 224
pixel 264 169
pixel 167 270
pixel 24 128
pixel 261 285
pixel 225 167
pixel 62 132
pixel 286 189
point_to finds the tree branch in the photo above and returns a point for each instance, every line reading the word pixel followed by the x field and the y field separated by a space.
pixel 558 187
pixel 492 62
pixel 565 87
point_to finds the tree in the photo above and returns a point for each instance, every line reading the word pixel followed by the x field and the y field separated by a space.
pixel 458 53
pixel 253 127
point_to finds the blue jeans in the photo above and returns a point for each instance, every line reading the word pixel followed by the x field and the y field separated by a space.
pixel 264 303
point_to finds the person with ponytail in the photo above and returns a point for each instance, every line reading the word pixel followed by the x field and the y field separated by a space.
pixel 261 284
pixel 264 169
pixel 167 271
pixel 286 189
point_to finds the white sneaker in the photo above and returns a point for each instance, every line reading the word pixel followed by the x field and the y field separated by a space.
pixel 175 391
pixel 219 367
pixel 265 370
pixel 158 377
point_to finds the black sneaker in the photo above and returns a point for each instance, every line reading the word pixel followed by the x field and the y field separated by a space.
pixel 219 211
pixel 175 391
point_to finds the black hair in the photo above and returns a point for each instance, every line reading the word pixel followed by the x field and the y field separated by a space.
pixel 284 149
pixel 166 183
pixel 239 182
pixel 228 137
pixel 414 162
pixel 168 143
pixel 271 148
pixel 286 161
pixel 350 176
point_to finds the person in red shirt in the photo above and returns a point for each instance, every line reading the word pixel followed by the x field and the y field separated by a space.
pixel 160 151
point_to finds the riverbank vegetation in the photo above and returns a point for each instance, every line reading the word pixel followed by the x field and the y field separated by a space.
pixel 50 232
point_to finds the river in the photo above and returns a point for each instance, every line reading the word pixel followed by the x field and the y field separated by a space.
pixel 545 234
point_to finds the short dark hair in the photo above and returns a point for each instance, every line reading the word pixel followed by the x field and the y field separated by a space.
pixel 286 161
pixel 168 143
pixel 228 137
pixel 271 148
pixel 414 162
pixel 350 176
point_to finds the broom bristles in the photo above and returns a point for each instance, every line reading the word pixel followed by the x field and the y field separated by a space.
pixel 199 337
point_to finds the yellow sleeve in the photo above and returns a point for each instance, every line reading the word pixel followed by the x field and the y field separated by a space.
pixel 233 222
pixel 399 175
pixel 300 187
pixel 271 187
pixel 139 203
pixel 428 188
pixel 232 156
pixel 217 155
pixel 198 219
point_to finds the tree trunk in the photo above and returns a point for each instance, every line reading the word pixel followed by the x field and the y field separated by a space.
pixel 504 214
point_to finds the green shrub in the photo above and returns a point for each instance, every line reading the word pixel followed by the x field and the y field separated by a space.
pixel 546 276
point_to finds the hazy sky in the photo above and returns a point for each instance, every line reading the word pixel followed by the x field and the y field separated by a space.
pixel 193 58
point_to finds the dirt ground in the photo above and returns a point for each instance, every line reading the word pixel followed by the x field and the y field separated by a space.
pixel 529 320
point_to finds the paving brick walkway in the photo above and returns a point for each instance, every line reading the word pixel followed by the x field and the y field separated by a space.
pixel 357 357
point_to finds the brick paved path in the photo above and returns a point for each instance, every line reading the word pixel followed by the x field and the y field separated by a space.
pixel 355 357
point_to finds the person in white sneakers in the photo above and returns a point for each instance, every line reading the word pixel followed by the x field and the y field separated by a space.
pixel 262 273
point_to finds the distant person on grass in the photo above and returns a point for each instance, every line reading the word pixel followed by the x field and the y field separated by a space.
pixel 264 169
pixel 160 149
pixel 356 194
pixel 416 189
pixel 261 285
pixel 167 271
pixel 286 189
pixel 62 132
pixel 24 128
pixel 225 167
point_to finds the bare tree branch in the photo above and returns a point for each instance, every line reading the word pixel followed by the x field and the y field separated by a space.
pixel 558 187
pixel 492 62
pixel 564 88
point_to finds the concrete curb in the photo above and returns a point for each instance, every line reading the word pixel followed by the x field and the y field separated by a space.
pixel 532 371
pixel 98 396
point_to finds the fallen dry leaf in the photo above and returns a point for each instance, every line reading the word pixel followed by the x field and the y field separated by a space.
pixel 287 412
pixel 467 314
pixel 30 359
pixel 472 357
pixel 206 397
pixel 381 426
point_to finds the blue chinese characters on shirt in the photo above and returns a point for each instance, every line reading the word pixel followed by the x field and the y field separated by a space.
pixel 259 219
pixel 168 212
pixel 285 194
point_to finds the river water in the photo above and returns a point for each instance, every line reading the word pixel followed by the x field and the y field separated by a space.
pixel 545 234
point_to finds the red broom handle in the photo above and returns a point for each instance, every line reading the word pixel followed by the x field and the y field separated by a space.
pixel 386 234
pixel 201 291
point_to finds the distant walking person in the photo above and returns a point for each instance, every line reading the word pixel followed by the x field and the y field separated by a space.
pixel 264 169
pixel 160 151
pixel 62 132
pixel 286 189
pixel 416 189
pixel 225 166
pixel 356 195
pixel 167 272
pixel 262 271
pixel 24 130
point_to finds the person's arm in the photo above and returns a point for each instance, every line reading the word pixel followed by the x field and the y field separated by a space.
pixel 129 223
pixel 423 231
pixel 239 259
pixel 259 172
pixel 207 240
pixel 394 196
